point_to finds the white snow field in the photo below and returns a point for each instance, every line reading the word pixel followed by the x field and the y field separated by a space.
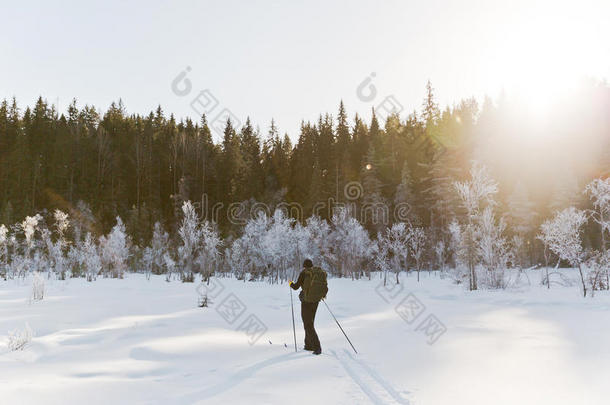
pixel 139 341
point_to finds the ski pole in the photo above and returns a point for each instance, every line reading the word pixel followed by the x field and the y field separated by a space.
pixel 294 332
pixel 339 325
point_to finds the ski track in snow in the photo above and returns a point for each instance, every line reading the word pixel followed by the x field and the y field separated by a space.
pixel 140 341
pixel 378 390
pixel 238 378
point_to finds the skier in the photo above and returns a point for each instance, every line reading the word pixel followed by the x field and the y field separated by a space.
pixel 312 282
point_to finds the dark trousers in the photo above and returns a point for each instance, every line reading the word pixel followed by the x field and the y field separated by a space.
pixel 308 315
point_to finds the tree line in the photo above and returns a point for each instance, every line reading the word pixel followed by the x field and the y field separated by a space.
pixel 99 165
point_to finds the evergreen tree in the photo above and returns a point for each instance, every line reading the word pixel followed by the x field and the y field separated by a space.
pixel 343 169
pixel 566 191
pixel 404 198
pixel 251 171
pixel 360 145
pixel 431 112
pixel 231 165
pixel 142 167
pixel 521 211
pixel 374 211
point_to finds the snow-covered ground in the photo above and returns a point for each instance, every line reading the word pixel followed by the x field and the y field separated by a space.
pixel 145 341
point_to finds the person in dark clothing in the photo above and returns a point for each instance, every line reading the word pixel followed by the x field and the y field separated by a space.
pixel 312 282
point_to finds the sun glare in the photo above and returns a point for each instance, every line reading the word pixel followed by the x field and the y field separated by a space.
pixel 542 60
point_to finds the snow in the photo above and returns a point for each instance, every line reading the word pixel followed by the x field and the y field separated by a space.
pixel 146 341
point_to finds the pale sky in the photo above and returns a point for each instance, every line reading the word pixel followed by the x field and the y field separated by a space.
pixel 293 60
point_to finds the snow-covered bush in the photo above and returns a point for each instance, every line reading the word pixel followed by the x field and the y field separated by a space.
pixel 152 256
pixel 25 255
pixel 61 244
pixel 273 246
pixel 57 259
pixel 477 191
pixel 562 236
pixel 268 246
pixel 474 195
pixel 61 223
pixel 493 248
pixel 38 287
pixel 309 241
pixel 209 253
pixel 170 265
pixel 47 241
pixel 317 232
pixel 237 258
pixel 599 193
pixel 29 227
pixel 147 261
pixel 392 249
pixel 4 241
pixel 115 250
pixel 417 246
pixel 159 246
pixel 479 242
pixel 90 258
pixel 190 236
pixel 301 238
pixel 350 244
pixel 3 235
pixel 278 247
pixel 18 339
pixel 247 254
pixel 18 266
pixel 381 257
pixel 439 253
pixel 597 271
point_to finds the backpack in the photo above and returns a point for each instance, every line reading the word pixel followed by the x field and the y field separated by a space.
pixel 314 285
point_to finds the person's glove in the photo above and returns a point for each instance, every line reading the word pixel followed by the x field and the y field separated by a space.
pixel 290 283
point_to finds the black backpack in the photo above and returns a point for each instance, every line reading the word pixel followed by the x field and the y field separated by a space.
pixel 315 286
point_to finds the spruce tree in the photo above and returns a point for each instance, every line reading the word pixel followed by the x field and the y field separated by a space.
pixel 374 210
pixel 251 170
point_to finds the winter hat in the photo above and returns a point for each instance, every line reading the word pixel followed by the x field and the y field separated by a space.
pixel 307 263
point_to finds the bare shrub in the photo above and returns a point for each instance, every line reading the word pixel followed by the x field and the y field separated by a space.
pixel 18 339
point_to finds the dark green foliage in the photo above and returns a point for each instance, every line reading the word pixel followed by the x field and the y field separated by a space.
pixel 143 167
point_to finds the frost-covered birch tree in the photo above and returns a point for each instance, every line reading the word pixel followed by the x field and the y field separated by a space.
pixel 562 236
pixel 381 257
pixel 278 246
pixel 56 250
pixel 90 257
pixel 29 227
pixel 248 251
pixel 159 245
pixel 317 247
pixel 350 244
pixel 474 194
pixel 417 246
pixel 115 250
pixel 599 194
pixel 209 253
pixel 393 247
pixel 493 248
pixel 190 236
